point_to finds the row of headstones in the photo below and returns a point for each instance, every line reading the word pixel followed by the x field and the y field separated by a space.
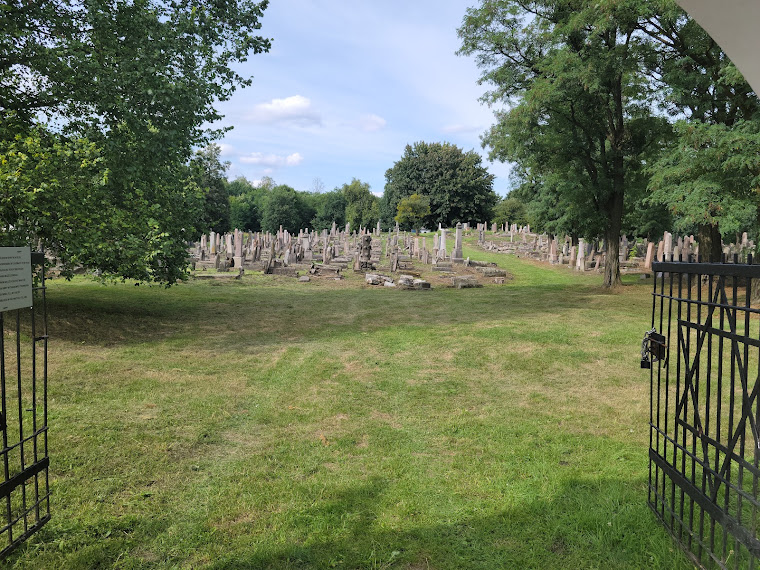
pixel 240 248
pixel 687 248
pixel 416 247
pixel 632 255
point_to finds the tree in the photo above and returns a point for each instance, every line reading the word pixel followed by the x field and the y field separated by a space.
pixel 239 186
pixel 459 188
pixel 704 176
pixel 710 181
pixel 138 81
pixel 331 208
pixel 579 118
pixel 362 208
pixel 244 201
pixel 283 206
pixel 208 172
pixel 412 210
pixel 509 211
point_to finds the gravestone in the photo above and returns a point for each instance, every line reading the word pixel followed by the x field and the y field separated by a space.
pixel 456 253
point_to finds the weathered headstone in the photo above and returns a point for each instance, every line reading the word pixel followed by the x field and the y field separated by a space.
pixel 456 253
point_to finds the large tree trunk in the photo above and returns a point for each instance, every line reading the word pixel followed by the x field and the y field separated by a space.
pixel 615 202
pixel 612 235
pixel 710 247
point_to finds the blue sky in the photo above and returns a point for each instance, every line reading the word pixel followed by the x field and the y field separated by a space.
pixel 347 85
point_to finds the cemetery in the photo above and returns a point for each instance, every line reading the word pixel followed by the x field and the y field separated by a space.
pixel 541 352
pixel 267 423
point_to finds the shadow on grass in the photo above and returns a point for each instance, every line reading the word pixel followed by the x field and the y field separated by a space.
pixel 122 315
pixel 588 524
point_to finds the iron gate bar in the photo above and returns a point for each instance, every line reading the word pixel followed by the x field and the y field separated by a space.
pixel 752 543
pixel 703 484
pixel 26 510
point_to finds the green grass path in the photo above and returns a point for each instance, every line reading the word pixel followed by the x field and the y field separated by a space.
pixel 266 423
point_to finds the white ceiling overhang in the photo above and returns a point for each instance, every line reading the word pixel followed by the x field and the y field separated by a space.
pixel 735 25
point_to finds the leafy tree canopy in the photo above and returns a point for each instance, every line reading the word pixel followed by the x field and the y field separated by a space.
pixel 133 86
pixel 579 121
pixel 331 207
pixel 510 211
pixel 711 177
pixel 458 187
pixel 208 172
pixel 412 210
pixel 362 207
pixel 283 206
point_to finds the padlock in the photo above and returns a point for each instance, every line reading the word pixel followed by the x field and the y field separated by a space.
pixel 653 348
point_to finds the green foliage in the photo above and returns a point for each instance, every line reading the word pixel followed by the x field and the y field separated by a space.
pixel 412 210
pixel 138 82
pixel 693 75
pixel 208 172
pixel 707 176
pixel 510 211
pixel 710 176
pixel 57 192
pixel 239 186
pixel 459 188
pixel 579 121
pixel 244 212
pixel 362 207
pixel 330 207
pixel 283 206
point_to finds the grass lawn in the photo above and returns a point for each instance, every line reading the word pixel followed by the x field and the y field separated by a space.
pixel 266 423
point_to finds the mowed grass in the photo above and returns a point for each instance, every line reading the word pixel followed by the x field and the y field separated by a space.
pixel 266 423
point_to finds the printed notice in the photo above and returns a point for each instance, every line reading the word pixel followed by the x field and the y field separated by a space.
pixel 15 278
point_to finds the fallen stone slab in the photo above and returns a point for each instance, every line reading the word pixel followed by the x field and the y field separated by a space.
pixel 376 279
pixel 287 271
pixel 465 282
pixel 405 282
pixel 304 279
pixel 492 272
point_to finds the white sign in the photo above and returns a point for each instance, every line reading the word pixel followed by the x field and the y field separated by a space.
pixel 15 278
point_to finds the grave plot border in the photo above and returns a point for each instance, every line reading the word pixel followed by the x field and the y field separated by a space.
pixel 704 447
pixel 24 461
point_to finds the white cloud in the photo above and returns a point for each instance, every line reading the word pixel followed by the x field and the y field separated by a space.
pixel 371 123
pixel 226 149
pixel 272 160
pixel 295 110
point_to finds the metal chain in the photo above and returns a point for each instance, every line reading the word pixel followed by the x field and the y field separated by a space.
pixel 644 345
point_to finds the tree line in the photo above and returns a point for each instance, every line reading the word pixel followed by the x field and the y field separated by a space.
pixel 431 184
pixel 620 116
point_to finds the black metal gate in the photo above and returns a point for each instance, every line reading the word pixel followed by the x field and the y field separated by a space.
pixel 24 492
pixel 703 351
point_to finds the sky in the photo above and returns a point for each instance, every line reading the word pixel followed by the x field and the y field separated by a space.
pixel 346 86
